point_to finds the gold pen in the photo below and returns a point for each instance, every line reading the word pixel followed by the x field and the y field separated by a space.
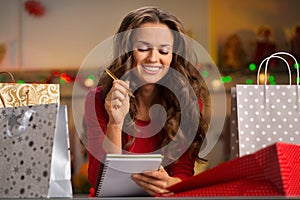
pixel 116 78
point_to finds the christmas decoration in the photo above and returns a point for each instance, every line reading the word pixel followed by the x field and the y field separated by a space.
pixel 34 8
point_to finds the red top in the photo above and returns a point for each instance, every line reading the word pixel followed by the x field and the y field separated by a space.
pixel 96 121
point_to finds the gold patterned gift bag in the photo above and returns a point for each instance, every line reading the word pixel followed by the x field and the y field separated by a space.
pixel 25 94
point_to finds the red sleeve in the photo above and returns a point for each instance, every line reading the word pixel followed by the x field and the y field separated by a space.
pixel 183 168
pixel 96 119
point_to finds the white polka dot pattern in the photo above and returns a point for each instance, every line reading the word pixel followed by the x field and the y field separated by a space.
pixel 269 114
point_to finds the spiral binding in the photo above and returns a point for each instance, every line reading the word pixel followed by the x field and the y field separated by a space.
pixel 100 178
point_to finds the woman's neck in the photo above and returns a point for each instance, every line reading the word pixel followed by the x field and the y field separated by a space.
pixel 146 94
pixel 145 97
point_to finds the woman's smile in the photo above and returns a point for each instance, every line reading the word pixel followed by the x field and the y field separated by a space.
pixel 152 69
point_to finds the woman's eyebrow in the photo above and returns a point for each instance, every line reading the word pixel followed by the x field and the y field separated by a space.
pixel 149 44
pixel 166 45
pixel 143 42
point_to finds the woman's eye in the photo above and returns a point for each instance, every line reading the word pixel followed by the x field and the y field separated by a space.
pixel 161 51
pixel 164 51
pixel 143 49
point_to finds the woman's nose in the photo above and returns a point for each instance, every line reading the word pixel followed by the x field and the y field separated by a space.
pixel 153 55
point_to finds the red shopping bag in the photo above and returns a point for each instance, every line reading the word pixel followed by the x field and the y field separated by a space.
pixel 272 171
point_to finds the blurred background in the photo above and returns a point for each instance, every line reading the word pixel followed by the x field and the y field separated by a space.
pixel 46 41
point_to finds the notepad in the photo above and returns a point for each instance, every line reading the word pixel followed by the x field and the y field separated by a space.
pixel 115 180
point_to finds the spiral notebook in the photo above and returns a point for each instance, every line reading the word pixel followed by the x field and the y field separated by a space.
pixel 115 179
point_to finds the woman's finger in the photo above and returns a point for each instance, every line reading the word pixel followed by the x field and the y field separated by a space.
pixel 160 174
pixel 121 86
pixel 117 102
pixel 150 188
pixel 150 184
pixel 116 94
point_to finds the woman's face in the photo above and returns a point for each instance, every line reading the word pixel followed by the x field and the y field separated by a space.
pixel 152 52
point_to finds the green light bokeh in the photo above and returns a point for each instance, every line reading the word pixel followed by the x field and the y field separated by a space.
pixel 205 73
pixel 249 81
pixel 252 67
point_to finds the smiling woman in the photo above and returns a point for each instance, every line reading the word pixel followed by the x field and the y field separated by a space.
pixel 152 52
pixel 152 59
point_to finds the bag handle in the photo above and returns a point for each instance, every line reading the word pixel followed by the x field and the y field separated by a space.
pixel 2 100
pixel 11 76
pixel 12 81
pixel 275 55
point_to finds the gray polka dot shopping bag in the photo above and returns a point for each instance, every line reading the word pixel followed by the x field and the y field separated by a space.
pixel 34 144
pixel 263 114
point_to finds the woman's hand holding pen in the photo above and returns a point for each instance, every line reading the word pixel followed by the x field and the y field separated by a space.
pixel 117 102
pixel 117 107
pixel 154 182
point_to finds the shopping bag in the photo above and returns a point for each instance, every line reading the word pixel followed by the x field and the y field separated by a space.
pixel 265 113
pixel 60 172
pixel 272 171
pixel 25 94
pixel 34 152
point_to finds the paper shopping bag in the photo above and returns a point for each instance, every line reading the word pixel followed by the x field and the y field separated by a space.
pixel 30 149
pixel 265 114
pixel 60 172
pixel 15 94
pixel 272 171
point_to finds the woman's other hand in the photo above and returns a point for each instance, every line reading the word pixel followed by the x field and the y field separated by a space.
pixel 154 182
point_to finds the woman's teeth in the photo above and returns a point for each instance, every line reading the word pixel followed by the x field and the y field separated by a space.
pixel 151 68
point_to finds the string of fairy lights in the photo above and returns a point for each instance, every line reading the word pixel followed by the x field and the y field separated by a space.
pixel 252 68
pixel 64 77
pixel 56 76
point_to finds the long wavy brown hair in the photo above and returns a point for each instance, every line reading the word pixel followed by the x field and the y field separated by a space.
pixel 174 129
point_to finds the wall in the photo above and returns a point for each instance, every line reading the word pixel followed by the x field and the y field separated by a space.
pixel 70 29
pixel 233 16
